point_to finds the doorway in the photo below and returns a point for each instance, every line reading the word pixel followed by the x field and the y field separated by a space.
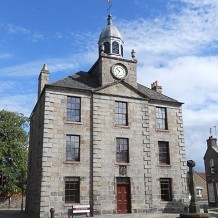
pixel 123 195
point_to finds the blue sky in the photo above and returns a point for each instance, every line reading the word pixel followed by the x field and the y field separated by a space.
pixel 176 43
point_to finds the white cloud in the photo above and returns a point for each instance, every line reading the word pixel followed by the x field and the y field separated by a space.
pixel 179 50
pixel 176 51
pixel 29 34
pixel 190 31
pixel 12 29
pixel 5 56
pixel 6 85
pixel 19 103
pixel 35 37
pixel 34 68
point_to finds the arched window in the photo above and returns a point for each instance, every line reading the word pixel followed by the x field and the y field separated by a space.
pixel 115 48
pixel 121 50
pixel 107 47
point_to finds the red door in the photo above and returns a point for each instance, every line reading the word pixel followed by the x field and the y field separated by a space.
pixel 123 198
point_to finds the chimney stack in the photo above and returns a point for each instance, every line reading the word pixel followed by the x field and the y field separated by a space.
pixel 43 79
pixel 212 142
pixel 156 87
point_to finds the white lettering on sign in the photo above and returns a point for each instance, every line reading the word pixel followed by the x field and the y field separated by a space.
pixel 81 208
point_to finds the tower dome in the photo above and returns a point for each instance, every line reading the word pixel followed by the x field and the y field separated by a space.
pixel 111 39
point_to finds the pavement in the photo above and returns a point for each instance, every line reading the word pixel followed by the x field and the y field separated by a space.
pixel 12 213
pixel 16 213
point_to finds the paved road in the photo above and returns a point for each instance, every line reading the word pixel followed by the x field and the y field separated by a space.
pixel 13 213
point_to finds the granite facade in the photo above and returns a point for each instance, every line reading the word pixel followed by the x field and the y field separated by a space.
pixel 98 169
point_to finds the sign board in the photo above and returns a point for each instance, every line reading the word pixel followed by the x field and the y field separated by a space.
pixel 81 208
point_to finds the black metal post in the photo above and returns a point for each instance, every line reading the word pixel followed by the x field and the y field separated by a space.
pixel 22 188
pixel 52 211
pixel 22 202
pixel 9 202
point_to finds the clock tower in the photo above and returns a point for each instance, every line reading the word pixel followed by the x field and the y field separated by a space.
pixel 111 66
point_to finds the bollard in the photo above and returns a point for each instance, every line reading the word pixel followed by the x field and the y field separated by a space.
pixel 205 207
pixel 52 211
pixel 186 208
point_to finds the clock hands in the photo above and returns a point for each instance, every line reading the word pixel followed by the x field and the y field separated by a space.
pixel 119 71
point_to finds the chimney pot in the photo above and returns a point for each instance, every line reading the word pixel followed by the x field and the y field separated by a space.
pixel 156 87
pixel 43 79
pixel 212 142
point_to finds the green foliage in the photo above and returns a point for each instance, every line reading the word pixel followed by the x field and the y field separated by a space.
pixel 13 150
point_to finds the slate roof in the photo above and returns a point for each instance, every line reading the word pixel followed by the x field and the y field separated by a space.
pixel 80 80
pixel 155 95
pixel 202 175
pixel 84 80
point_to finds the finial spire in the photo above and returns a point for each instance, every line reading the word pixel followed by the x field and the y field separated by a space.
pixel 109 19
pixel 45 67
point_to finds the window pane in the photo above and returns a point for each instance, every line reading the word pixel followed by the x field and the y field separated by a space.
pixel 161 118
pixel 122 150
pixel 107 47
pixel 73 148
pixel 164 155
pixel 115 47
pixel 165 186
pixel 121 50
pixel 72 190
pixel 121 113
pixel 73 109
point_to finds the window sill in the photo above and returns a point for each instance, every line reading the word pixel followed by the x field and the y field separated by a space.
pixel 166 201
pixel 164 165
pixel 72 122
pixel 122 126
pixel 162 130
pixel 122 163
pixel 70 204
pixel 72 162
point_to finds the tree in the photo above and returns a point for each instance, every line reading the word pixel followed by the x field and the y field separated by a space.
pixel 13 150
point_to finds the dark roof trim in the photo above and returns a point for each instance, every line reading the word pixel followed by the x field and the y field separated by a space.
pixel 120 96
pixel 165 102
pixel 52 87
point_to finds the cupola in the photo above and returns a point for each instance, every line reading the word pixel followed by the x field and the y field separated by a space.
pixel 110 40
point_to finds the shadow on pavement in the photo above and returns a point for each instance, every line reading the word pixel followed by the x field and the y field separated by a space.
pixel 8 213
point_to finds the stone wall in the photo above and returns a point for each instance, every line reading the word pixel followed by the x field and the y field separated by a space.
pixel 105 167
pixel 102 70
pixel 177 168
pixel 98 169
pixel 55 166
pixel 35 157
pixel 201 182
pixel 15 202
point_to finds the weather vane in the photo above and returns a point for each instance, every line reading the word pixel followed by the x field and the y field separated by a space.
pixel 109 6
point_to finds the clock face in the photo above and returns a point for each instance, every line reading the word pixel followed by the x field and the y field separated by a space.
pixel 119 71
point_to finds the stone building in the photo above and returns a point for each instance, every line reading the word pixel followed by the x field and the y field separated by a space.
pixel 99 138
pixel 200 185
pixel 211 170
